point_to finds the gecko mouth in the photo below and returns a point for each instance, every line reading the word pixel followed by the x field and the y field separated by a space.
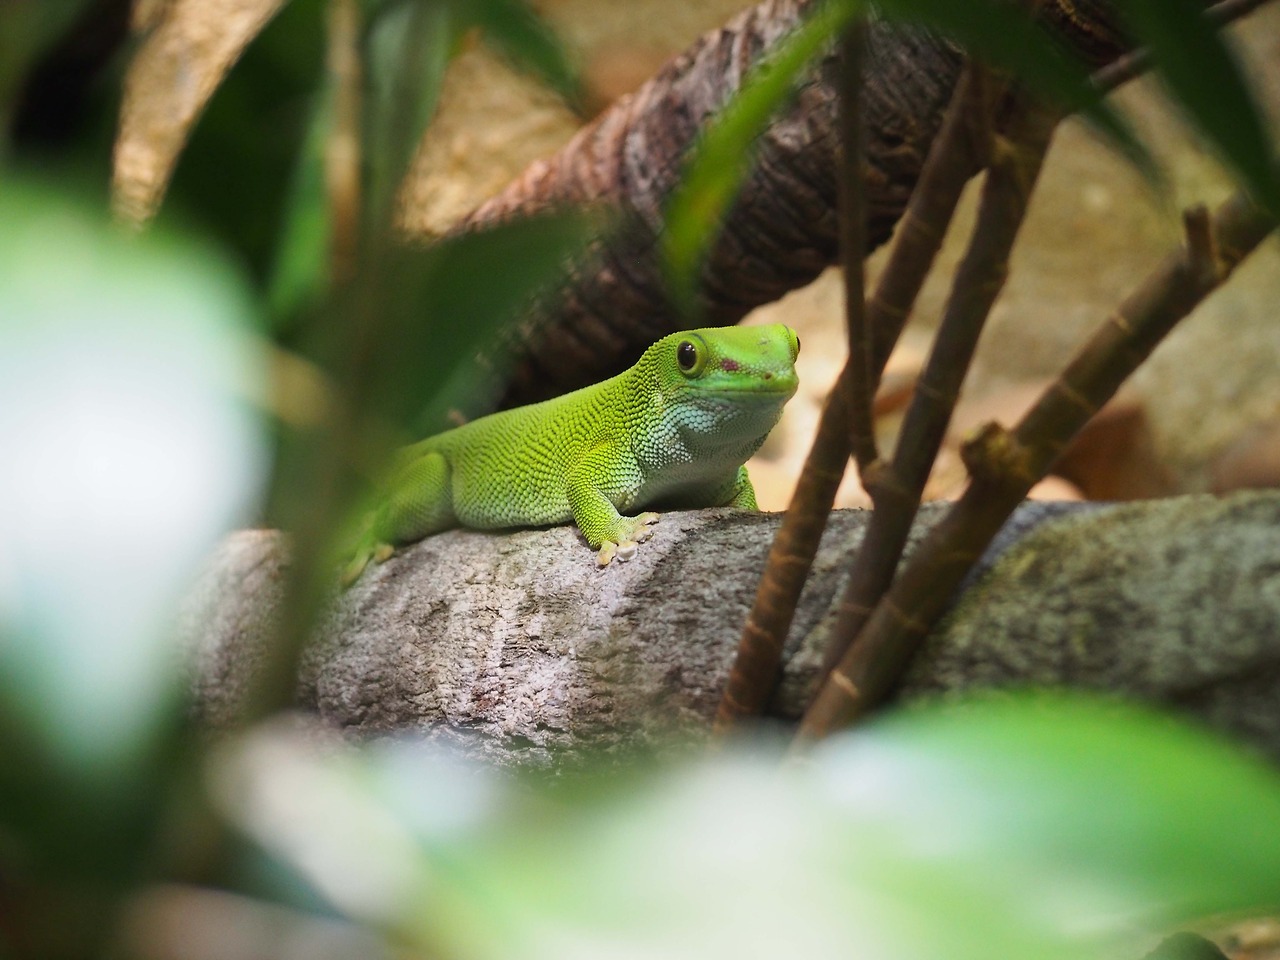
pixel 769 388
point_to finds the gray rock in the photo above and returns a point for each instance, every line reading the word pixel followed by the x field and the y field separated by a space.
pixel 518 646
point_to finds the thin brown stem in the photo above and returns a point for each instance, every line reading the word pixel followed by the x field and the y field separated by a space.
pixel 342 156
pixel 961 149
pixel 898 500
pixel 898 488
pixel 1137 62
pixel 860 386
pixel 1005 464
pixel 955 153
pixel 325 458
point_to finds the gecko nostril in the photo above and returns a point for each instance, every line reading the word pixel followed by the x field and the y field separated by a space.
pixel 768 376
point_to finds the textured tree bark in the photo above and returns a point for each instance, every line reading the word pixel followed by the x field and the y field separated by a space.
pixel 518 647
pixel 782 231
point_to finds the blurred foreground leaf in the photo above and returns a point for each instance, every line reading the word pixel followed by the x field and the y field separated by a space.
pixel 408 46
pixel 1204 79
pixel 233 175
pixel 445 303
pixel 1020 826
pixel 722 156
pixel 300 272
pixel 128 450
pixel 517 30
pixel 27 29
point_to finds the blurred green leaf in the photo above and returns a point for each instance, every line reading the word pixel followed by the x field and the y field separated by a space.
pixel 1084 795
pixel 409 44
pixel 234 176
pixel 129 450
pixel 723 153
pixel 448 302
pixel 1006 36
pixel 1045 826
pixel 408 47
pixel 524 36
pixel 27 29
pixel 300 274
pixel 1202 75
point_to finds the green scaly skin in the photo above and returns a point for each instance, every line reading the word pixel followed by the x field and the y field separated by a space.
pixel 674 430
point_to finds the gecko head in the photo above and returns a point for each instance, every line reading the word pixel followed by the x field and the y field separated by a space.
pixel 733 362
pixel 725 384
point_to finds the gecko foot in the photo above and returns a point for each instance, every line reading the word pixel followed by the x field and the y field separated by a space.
pixel 378 553
pixel 631 532
pixel 644 530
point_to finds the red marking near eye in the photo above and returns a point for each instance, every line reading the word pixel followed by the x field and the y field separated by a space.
pixel 729 365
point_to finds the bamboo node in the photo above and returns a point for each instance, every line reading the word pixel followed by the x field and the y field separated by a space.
pixel 1004 152
pixel 992 452
pixel 849 688
pixel 1202 246
pixel 879 479
pixel 1064 389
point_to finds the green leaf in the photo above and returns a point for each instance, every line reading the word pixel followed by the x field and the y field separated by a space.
pixel 234 175
pixel 1023 825
pixel 516 29
pixel 300 273
pixel 1202 75
pixel 1100 795
pixel 27 28
pixel 129 451
pixel 1006 36
pixel 448 302
pixel 723 154
pixel 408 47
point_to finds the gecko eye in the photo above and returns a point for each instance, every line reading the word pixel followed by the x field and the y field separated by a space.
pixel 686 355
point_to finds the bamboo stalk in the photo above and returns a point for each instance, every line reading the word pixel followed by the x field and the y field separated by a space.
pixel 955 153
pixel 897 488
pixel 1005 464
pixel 1137 62
pixel 342 154
pixel 860 386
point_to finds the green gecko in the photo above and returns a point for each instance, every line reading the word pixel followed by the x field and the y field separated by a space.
pixel 675 429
